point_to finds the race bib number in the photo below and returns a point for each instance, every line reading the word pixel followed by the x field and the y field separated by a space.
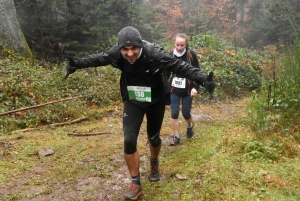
pixel 178 82
pixel 142 94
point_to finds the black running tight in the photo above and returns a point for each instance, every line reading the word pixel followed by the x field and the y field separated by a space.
pixel 132 120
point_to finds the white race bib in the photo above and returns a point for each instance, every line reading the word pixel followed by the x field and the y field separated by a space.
pixel 178 82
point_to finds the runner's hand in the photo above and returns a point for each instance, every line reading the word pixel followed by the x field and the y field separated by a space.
pixel 209 83
pixel 70 67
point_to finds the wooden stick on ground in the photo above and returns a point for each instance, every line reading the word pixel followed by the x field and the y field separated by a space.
pixel 36 106
pixel 55 124
pixel 89 134
pixel 26 130
pixel 69 122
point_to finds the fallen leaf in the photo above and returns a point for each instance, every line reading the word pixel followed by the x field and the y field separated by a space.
pixel 181 177
pixel 198 180
pixel 45 152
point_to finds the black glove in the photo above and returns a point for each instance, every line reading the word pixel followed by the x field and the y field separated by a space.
pixel 209 83
pixel 70 67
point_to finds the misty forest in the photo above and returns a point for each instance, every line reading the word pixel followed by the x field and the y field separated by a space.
pixel 248 128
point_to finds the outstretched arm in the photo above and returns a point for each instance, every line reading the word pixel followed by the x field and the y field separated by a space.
pixel 94 60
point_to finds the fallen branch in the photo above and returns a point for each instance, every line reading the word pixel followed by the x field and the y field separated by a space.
pixel 40 105
pixel 26 130
pixel 89 134
pixel 55 124
pixel 68 122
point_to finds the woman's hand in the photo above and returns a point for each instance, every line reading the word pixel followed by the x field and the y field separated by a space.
pixel 194 92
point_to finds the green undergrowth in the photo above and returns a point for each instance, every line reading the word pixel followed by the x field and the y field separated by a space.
pixel 26 82
pixel 275 110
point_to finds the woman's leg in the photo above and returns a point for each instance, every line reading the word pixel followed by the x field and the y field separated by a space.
pixel 186 113
pixel 175 106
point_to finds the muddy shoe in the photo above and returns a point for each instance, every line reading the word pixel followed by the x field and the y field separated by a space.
pixel 154 174
pixel 190 131
pixel 175 141
pixel 134 193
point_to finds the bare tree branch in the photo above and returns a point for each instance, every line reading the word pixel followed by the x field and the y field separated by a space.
pixel 36 106
pixel 55 124
pixel 89 134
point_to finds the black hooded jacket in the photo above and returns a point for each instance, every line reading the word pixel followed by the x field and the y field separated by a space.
pixel 147 71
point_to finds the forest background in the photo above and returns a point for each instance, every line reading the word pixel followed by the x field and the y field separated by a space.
pixel 55 30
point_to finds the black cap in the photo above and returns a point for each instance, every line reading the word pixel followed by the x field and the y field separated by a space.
pixel 129 36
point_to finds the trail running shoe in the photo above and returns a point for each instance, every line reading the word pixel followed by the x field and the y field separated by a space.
pixel 190 131
pixel 134 193
pixel 175 141
pixel 154 174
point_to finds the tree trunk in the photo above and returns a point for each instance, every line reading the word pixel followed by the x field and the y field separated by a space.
pixel 10 31
pixel 242 13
